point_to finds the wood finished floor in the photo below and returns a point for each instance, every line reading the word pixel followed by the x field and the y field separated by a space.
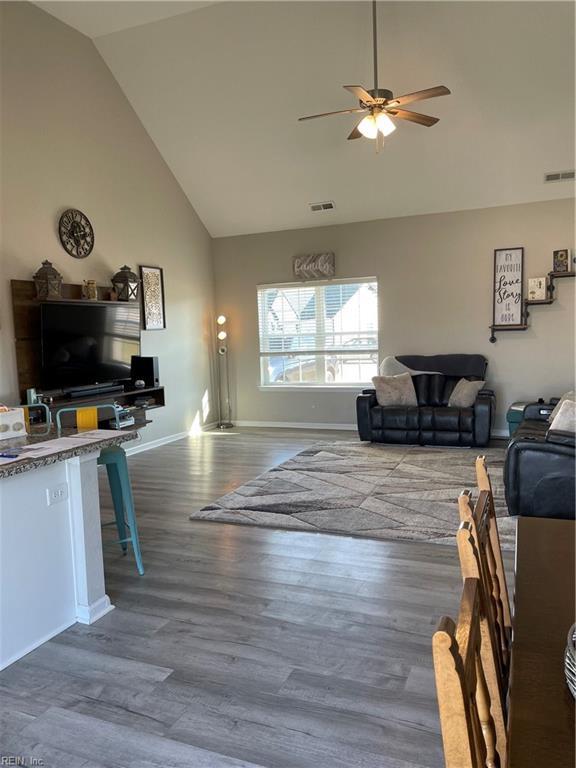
pixel 240 646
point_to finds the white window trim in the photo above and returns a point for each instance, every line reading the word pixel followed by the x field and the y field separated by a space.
pixel 318 283
pixel 313 387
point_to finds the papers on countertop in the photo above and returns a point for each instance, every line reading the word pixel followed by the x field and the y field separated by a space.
pixel 57 445
pixel 94 434
pixel 45 448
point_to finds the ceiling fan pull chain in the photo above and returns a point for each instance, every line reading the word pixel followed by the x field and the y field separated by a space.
pixel 375 44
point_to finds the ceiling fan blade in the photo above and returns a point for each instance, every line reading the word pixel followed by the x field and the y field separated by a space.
pixel 355 133
pixel 427 93
pixel 327 114
pixel 360 93
pixel 414 117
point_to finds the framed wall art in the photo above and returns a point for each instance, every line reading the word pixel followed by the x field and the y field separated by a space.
pixel 537 289
pixel 314 266
pixel 153 314
pixel 561 261
pixel 508 291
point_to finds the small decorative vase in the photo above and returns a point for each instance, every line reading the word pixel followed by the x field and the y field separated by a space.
pixel 89 290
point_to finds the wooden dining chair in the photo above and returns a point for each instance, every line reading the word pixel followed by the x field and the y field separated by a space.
pixel 484 484
pixel 468 729
pixel 496 665
pixel 490 569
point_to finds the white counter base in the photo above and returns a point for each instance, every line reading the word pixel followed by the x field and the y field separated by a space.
pixel 51 565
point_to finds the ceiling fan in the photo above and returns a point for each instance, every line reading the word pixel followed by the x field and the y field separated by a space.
pixel 380 104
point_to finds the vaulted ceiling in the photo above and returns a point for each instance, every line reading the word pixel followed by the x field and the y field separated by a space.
pixel 105 16
pixel 219 87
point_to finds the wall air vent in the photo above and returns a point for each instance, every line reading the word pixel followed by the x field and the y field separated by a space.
pixel 327 205
pixel 558 176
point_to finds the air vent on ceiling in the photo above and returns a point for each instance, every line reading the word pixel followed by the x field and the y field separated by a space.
pixel 327 205
pixel 558 176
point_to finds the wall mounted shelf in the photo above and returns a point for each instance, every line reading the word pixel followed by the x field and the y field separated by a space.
pixel 550 288
pixel 535 302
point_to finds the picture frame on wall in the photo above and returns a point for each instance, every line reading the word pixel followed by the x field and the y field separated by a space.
pixel 537 289
pixel 508 288
pixel 153 303
pixel 561 261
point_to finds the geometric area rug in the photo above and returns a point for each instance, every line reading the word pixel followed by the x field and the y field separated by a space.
pixel 371 490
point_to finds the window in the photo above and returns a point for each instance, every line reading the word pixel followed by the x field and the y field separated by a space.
pixel 318 334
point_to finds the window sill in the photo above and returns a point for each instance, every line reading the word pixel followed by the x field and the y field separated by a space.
pixel 313 388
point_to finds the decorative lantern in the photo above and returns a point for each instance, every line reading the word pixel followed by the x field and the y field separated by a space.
pixel 48 282
pixel 126 284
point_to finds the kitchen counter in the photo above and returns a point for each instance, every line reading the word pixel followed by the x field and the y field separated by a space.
pixel 51 564
pixel 76 448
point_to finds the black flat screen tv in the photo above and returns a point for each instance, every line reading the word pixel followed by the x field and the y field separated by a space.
pixel 87 343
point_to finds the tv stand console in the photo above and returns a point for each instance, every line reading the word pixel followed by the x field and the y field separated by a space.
pixel 128 397
pixel 26 309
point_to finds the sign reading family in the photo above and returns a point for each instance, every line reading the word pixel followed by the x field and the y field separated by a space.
pixel 508 287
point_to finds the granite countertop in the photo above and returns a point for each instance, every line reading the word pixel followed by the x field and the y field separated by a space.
pixel 76 448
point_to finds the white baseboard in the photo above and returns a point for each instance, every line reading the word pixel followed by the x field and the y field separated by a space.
pixel 321 425
pixel 295 425
pixel 88 614
pixel 36 644
pixel 140 447
pixel 318 425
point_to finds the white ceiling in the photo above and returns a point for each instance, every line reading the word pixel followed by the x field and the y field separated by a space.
pixel 220 90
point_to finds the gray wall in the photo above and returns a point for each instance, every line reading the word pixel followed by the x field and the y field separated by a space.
pixel 435 277
pixel 71 139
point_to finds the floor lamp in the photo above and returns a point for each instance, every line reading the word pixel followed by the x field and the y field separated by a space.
pixel 223 375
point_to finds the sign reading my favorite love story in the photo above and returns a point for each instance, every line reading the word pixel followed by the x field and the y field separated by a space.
pixel 508 286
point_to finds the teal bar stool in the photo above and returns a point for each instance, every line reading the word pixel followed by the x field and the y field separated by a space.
pixel 30 427
pixel 114 459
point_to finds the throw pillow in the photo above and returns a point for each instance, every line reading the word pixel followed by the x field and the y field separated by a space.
pixel 395 390
pixel 565 419
pixel 567 396
pixel 390 366
pixel 464 393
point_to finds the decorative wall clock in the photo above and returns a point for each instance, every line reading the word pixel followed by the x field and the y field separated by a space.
pixel 76 233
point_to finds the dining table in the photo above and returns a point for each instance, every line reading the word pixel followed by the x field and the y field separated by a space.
pixel 541 708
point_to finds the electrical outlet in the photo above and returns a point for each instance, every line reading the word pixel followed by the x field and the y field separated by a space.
pixel 57 494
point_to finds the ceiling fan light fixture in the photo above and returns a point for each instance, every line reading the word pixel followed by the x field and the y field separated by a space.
pixel 371 124
pixel 385 124
pixel 368 127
